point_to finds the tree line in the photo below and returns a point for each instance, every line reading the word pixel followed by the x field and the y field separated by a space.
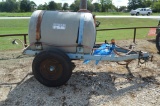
pixel 99 6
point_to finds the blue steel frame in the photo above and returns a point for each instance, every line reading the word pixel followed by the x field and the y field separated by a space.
pixel 128 55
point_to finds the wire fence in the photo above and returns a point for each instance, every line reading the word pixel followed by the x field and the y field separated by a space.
pixel 134 28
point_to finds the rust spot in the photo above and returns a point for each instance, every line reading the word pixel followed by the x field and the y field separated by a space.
pixel 38 27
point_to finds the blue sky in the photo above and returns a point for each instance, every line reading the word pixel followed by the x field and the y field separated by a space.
pixel 115 2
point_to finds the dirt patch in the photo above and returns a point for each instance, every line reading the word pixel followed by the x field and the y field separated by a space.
pixel 105 84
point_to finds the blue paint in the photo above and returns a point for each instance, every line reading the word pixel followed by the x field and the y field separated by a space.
pixel 104 49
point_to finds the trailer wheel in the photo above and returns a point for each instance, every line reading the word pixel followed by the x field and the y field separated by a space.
pixel 52 68
pixel 158 41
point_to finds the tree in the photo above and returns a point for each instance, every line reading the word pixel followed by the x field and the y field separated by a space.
pixel 105 5
pixel 2 6
pixel 12 5
pixel 33 5
pixel 9 6
pixel 148 3
pixel 122 8
pixel 75 6
pixel 134 4
pixel 156 6
pixel 97 7
pixel 59 6
pixel 153 2
pixel 42 7
pixel 90 6
pixel 52 5
pixel 65 6
pixel 25 6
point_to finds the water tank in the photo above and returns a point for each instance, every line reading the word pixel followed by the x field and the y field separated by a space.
pixel 61 30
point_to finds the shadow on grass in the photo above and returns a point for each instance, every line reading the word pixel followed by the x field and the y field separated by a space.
pixel 152 41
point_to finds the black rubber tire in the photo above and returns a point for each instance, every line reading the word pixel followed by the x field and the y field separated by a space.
pixel 62 68
pixel 137 14
pixel 148 14
pixel 158 41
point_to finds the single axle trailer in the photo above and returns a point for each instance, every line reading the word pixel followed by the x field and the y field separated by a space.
pixel 57 38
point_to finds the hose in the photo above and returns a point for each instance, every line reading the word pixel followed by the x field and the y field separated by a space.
pixel 14 42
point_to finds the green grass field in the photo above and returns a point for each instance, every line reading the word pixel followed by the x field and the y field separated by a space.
pixel 25 14
pixel 21 26
pixel 28 14
pixel 124 34
pixel 15 26
pixel 120 13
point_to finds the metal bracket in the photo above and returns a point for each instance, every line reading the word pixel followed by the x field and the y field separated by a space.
pixel 79 49
pixel 38 46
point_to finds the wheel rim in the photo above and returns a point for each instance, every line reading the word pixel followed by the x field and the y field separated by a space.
pixel 51 69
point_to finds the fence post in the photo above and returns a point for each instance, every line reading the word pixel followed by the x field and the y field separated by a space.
pixel 25 40
pixel 134 39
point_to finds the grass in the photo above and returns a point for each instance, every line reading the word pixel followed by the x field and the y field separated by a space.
pixel 6 43
pixel 25 14
pixel 119 13
pixel 28 14
pixel 111 13
pixel 17 26
pixel 123 34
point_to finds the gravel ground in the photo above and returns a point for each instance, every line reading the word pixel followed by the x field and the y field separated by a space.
pixel 105 84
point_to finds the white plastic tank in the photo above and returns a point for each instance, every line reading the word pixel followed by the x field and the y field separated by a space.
pixel 61 30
